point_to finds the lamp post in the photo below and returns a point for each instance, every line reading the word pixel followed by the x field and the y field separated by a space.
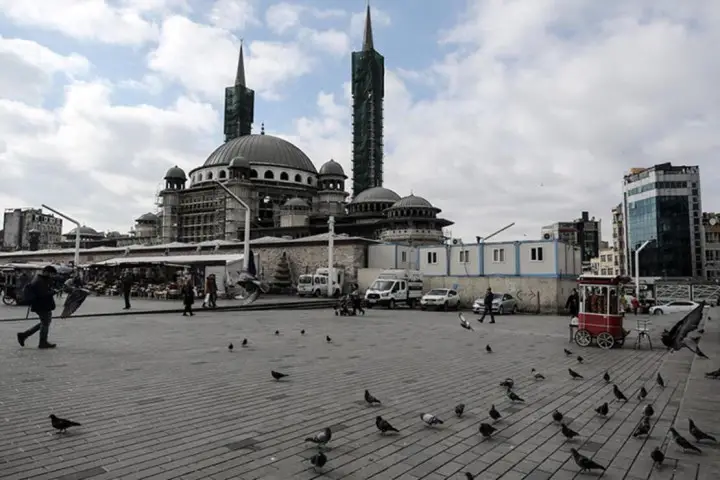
pixel 77 232
pixel 246 242
pixel 331 255
pixel 637 267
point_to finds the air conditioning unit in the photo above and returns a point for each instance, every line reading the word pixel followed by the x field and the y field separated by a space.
pixel 547 236
pixel 457 241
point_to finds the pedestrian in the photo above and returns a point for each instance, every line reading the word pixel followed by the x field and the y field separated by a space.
pixel 488 302
pixel 127 282
pixel 635 305
pixel 188 296
pixel 573 303
pixel 39 295
pixel 210 291
pixel 356 301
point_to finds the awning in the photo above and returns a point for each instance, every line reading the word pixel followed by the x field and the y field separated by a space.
pixel 172 260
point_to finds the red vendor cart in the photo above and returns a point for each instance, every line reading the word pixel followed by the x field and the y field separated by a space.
pixel 601 315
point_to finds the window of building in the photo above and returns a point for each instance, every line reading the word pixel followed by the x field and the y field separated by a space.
pixel 464 256
pixel 253 173
pixel 222 174
pixel 269 175
pixel 284 176
pixel 309 181
pixel 298 178
pixel 536 254
pixel 432 258
pixel 403 257
pixel 498 255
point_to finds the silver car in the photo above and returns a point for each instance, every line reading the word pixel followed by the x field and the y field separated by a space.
pixel 502 303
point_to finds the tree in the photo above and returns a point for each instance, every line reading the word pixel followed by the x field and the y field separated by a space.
pixel 282 280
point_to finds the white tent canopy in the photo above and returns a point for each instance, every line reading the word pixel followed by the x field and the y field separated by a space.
pixel 174 260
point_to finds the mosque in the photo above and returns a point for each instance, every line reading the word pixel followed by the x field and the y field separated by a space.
pixel 287 195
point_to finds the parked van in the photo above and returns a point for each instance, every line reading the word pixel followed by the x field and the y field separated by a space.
pixel 317 284
pixel 395 287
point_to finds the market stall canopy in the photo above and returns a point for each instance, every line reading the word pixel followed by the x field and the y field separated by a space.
pixel 179 260
pixel 22 266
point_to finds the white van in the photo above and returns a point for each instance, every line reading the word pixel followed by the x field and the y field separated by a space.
pixel 317 284
pixel 395 287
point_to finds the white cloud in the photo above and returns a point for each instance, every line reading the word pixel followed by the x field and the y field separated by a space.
pixel 233 14
pixel 83 19
pixel 332 41
pixel 203 59
pixel 281 17
pixel 28 68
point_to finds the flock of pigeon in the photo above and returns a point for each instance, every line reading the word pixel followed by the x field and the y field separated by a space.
pixel 486 429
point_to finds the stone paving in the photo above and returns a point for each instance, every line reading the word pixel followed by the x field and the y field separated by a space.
pixel 161 397
pixel 114 304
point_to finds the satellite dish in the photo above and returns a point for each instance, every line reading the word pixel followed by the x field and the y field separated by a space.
pixel 713 221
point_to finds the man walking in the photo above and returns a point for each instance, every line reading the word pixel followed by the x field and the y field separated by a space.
pixel 573 303
pixel 40 296
pixel 127 282
pixel 488 301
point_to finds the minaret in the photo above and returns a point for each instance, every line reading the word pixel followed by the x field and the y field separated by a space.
pixel 239 104
pixel 368 72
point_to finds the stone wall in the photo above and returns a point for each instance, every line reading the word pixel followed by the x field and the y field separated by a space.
pixel 534 294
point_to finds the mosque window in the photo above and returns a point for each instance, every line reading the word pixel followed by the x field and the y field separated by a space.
pixel 284 176
pixel 253 173
pixel 269 175
pixel 200 177
pixel 209 176
pixel 309 181
pixel 298 178
pixel 222 174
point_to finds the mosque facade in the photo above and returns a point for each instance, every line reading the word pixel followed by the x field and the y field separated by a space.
pixel 287 195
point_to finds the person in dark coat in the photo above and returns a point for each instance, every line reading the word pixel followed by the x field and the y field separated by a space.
pixel 188 296
pixel 356 300
pixel 126 283
pixel 487 302
pixel 40 296
pixel 211 289
pixel 573 303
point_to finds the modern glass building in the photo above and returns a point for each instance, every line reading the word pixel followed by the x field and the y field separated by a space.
pixel 662 204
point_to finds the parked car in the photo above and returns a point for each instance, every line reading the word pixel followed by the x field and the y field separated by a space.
pixel 502 303
pixel 678 306
pixel 444 298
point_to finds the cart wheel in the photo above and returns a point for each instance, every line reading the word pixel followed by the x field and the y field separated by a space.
pixel 8 300
pixel 605 341
pixel 583 338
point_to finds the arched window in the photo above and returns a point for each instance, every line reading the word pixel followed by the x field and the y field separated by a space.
pixel 269 175
pixel 222 174
pixel 253 173
pixel 209 176
pixel 199 177
pixel 298 178
pixel 284 176
pixel 309 181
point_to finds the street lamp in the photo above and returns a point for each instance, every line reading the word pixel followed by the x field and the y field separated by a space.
pixel 637 267
pixel 77 232
pixel 331 255
pixel 246 243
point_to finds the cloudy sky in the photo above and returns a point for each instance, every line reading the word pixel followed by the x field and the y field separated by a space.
pixel 497 111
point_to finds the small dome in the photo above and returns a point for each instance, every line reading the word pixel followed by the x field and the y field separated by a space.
pixel 412 201
pixel 239 162
pixel 84 232
pixel 332 168
pixel 176 173
pixel 376 194
pixel 296 202
pixel 147 217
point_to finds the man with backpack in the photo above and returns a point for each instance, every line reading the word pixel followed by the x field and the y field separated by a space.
pixel 488 302
pixel 39 295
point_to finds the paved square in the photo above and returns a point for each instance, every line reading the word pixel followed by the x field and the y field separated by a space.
pixel 161 397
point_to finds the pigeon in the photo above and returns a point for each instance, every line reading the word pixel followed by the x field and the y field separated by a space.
pixel 277 375
pixel 277 332
pixel 574 374
pixel 508 383
pixel 606 377
pixel 318 460
pixel 370 399
pixel 603 409
pixel 61 424
pixel 683 442
pixel 649 411
pixel 321 438
pixel 459 409
pixel 488 349
pixel 659 380
pixel 643 428
pixel 430 419
pixel 494 414
pixel 658 457
pixel 302 332
pixel 230 347
pixel 618 394
pixel 584 462
pixel 464 323
pixel 514 397
pixel 486 430
pixel 567 352
pixel 699 434
pixel 328 339
pixel 714 374
pixel 557 416
pixel 244 342
pixel 384 426
pixel 568 432
pixel 580 359
pixel 642 394
pixel 469 476
pixel 537 375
